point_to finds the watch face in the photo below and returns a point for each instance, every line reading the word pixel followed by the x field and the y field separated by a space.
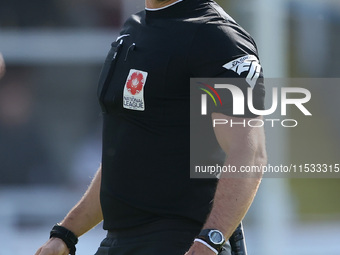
pixel 216 237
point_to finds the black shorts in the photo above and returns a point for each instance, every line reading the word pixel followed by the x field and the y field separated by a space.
pixel 166 237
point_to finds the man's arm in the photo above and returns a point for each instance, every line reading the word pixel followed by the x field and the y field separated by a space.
pixel 244 146
pixel 84 215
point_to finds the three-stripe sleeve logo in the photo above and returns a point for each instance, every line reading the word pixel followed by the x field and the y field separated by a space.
pixel 249 64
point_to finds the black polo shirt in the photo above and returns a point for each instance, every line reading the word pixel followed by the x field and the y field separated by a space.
pixel 144 91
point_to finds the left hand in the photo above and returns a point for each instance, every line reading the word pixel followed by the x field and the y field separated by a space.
pixel 199 249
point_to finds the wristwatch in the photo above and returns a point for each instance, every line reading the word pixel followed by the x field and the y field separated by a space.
pixel 69 238
pixel 213 238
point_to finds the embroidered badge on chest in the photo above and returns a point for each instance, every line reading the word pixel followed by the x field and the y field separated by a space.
pixel 133 96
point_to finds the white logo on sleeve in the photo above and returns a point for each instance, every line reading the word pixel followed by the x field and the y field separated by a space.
pixel 249 64
pixel 133 95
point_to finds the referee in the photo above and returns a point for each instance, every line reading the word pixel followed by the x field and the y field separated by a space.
pixel 143 190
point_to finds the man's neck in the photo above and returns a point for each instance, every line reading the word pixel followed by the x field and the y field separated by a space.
pixel 154 4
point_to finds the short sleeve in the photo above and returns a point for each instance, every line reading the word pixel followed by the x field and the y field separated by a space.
pixel 225 50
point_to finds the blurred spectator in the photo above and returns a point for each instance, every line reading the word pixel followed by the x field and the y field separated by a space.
pixel 90 13
pixel 23 157
pixel 52 13
pixel 19 13
pixel 111 12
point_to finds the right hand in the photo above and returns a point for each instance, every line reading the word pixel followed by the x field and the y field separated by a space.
pixel 53 246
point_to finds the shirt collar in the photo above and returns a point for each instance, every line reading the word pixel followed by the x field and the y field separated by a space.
pixel 164 7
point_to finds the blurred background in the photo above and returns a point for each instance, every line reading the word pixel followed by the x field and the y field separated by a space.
pixel 50 120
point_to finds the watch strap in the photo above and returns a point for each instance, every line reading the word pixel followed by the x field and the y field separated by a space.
pixel 204 235
pixel 69 238
pixel 206 244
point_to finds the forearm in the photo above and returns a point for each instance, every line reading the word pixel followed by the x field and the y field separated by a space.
pixel 87 212
pixel 234 195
